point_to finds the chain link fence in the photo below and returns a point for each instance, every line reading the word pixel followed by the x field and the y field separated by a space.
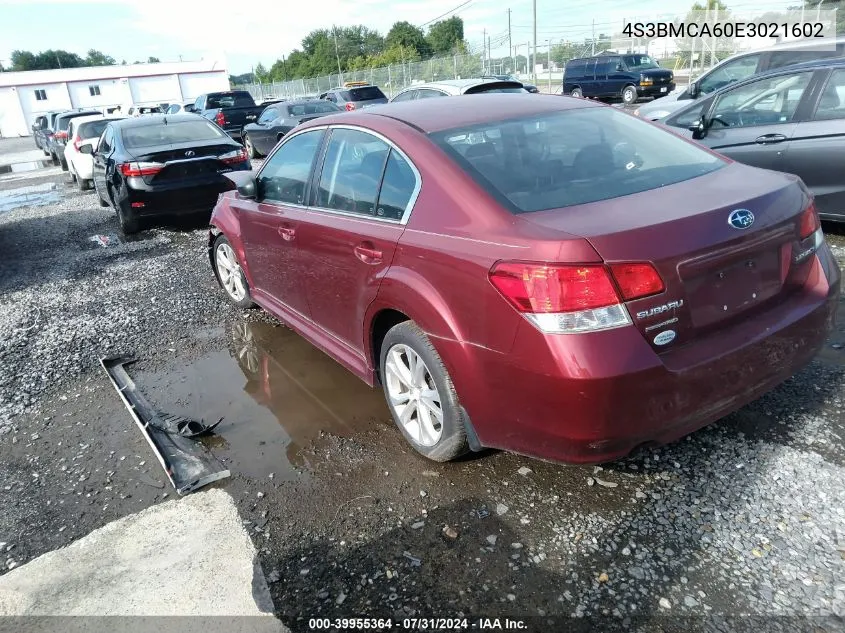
pixel 391 79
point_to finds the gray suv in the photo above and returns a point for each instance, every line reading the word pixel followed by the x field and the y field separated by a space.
pixel 355 96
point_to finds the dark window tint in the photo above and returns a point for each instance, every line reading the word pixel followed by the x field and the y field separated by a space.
pixel 64 122
pixel 40 95
pixel 92 129
pixel 576 67
pixel 229 100
pixel 690 117
pixel 94 91
pixel 351 172
pixel 602 66
pixel 173 132
pixel 106 141
pixel 405 96
pixel 313 107
pixel 426 93
pixel 574 157
pixel 494 87
pixel 366 93
pixel 779 59
pixel 285 174
pixel 832 102
pixel 635 63
pixel 268 115
pixel 397 187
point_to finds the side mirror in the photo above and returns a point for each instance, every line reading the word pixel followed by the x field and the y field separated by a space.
pixel 699 129
pixel 693 89
pixel 244 182
pixel 86 148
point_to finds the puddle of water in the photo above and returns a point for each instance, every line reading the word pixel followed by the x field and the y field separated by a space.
pixel 35 195
pixel 277 394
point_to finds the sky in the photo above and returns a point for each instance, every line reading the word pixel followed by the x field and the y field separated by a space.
pixel 246 32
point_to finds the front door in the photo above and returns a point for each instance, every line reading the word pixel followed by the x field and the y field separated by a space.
pixel 270 224
pixel 101 155
pixel 753 123
pixel 364 193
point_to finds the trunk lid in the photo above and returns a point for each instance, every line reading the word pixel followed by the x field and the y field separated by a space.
pixel 714 273
pixel 184 160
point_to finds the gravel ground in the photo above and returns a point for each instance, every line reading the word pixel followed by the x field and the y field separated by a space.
pixel 745 518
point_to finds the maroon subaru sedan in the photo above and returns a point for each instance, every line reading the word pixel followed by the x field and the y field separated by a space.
pixel 543 275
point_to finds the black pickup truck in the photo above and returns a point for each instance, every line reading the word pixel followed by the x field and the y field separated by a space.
pixel 230 110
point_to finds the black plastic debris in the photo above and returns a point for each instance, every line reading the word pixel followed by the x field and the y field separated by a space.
pixel 187 463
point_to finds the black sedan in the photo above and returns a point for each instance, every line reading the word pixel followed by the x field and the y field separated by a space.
pixel 279 119
pixel 162 165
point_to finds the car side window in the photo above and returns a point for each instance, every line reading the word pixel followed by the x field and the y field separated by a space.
pixel 779 59
pixel 268 115
pixel 690 117
pixel 331 97
pixel 730 72
pixel 285 174
pixel 397 187
pixel 764 102
pixel 405 96
pixel 427 93
pixel 105 141
pixel 352 171
pixel 832 100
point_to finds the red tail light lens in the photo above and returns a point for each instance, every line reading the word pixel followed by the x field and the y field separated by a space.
pixel 637 280
pixel 132 170
pixel 350 106
pixel 220 119
pixel 61 136
pixel 238 156
pixel 544 288
pixel 810 222
pixel 77 143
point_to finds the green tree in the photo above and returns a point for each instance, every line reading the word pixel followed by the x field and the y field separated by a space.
pixel 829 5
pixel 408 36
pixel 45 60
pixel 262 75
pixel 153 60
pixel 446 36
pixel 96 58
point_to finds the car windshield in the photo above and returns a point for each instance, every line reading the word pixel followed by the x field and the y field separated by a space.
pixel 318 107
pixel 640 62
pixel 171 133
pixel 572 157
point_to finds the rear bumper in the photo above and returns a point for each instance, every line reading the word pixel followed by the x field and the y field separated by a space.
pixel 596 397
pixel 181 198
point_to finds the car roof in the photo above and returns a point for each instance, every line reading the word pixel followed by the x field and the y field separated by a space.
pixel 458 86
pixel 95 117
pixel 155 120
pixel 434 115
pixel 78 113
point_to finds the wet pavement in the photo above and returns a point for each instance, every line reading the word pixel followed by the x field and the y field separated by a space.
pixel 277 395
pixel 33 195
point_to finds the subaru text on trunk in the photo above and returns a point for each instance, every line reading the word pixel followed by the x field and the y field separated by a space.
pixel 548 276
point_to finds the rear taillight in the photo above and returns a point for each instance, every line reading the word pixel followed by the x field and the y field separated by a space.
pixel 572 298
pixel 131 170
pixel 220 119
pixel 810 222
pixel 238 156
pixel 636 281
pixel 62 136
pixel 77 143
pixel 350 106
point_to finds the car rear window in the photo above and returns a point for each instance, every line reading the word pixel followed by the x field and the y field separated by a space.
pixel 170 133
pixel 318 107
pixel 365 93
pixel 495 87
pixel 572 157
pixel 229 100
pixel 92 129
pixel 64 122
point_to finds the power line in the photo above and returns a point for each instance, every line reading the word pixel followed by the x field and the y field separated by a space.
pixel 447 13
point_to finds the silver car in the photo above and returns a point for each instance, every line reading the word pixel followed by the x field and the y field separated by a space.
pixel 455 87
pixel 739 67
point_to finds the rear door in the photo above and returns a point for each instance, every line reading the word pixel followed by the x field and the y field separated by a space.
pixel 362 196
pixel 753 122
pixel 817 149
pixel 102 152
pixel 270 224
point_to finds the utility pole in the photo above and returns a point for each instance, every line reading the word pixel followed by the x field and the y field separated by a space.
pixel 594 36
pixel 510 41
pixel 534 66
pixel 489 57
pixel 527 57
pixel 337 54
pixel 484 53
pixel 549 62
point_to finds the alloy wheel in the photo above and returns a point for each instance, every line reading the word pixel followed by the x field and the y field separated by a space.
pixel 230 272
pixel 413 395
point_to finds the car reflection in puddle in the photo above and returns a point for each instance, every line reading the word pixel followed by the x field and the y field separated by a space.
pixel 35 195
pixel 277 394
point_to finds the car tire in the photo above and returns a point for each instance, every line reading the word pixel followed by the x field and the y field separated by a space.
pixel 100 199
pixel 54 159
pixel 629 95
pixel 250 148
pixel 229 273
pixel 127 220
pixel 63 163
pixel 83 184
pixel 442 438
pixel 46 153
pixel 576 92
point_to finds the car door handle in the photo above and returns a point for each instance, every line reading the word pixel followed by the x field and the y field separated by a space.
pixel 287 233
pixel 367 254
pixel 769 139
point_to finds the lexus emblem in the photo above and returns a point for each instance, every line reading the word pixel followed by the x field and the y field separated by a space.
pixel 741 218
pixel 191 152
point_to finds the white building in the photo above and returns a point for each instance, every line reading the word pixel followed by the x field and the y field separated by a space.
pixel 25 95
